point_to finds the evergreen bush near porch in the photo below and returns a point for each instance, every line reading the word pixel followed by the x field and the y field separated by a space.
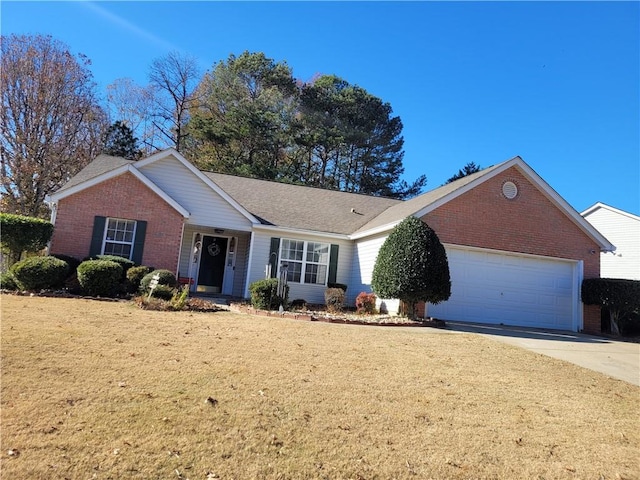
pixel 264 294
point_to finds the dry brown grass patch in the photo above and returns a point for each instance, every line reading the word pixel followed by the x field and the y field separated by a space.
pixel 109 391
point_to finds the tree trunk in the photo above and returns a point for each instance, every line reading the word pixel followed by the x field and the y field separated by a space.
pixel 613 321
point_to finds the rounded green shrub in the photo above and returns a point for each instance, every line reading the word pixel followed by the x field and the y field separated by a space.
pixel 166 278
pixel 125 263
pixel 36 273
pixel 99 277
pixel 7 282
pixel 135 276
pixel 264 294
pixel 163 292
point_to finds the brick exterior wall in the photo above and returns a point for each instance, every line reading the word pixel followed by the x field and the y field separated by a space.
pixel 530 223
pixel 120 197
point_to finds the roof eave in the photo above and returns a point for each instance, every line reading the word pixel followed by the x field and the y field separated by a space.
pixel 54 198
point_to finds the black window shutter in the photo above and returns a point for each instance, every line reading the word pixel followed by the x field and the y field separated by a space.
pixel 138 242
pixel 95 248
pixel 333 263
pixel 274 250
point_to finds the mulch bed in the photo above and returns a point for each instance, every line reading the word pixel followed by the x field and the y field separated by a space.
pixel 346 319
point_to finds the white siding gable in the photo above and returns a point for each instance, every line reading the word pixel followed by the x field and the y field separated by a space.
pixel 623 230
pixel 364 258
pixel 206 207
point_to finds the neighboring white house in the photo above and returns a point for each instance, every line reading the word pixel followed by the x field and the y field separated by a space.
pixel 623 230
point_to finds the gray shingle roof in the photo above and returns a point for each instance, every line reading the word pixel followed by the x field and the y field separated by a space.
pixel 101 164
pixel 301 207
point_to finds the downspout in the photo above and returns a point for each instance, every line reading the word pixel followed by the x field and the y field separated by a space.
pixel 578 306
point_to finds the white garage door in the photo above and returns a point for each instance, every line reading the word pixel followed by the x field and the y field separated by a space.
pixel 490 287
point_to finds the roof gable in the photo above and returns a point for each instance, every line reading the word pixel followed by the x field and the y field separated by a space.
pixel 602 206
pixel 423 204
pixel 93 180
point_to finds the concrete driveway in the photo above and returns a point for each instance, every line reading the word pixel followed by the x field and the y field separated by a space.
pixel 619 360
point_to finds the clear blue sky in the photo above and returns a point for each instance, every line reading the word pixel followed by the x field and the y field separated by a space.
pixel 557 83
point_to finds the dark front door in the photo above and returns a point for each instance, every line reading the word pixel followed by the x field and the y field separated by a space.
pixel 211 274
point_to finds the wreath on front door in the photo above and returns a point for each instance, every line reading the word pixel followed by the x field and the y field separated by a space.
pixel 213 249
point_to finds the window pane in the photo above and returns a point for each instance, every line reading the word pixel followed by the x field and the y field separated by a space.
pixel 315 274
pixel 292 250
pixel 318 252
pixel 119 237
pixel 310 274
pixel 294 272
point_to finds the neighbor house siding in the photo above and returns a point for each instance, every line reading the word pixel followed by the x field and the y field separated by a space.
pixel 623 230
pixel 121 197
pixel 205 206
pixel 531 224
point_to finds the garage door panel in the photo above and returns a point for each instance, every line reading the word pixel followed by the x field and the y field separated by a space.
pixel 491 287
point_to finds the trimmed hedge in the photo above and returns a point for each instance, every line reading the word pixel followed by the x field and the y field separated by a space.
pixel 264 294
pixel 23 234
pixel 166 278
pixel 100 278
pixel 125 263
pixel 620 296
pixel 135 276
pixel 36 273
pixel 164 292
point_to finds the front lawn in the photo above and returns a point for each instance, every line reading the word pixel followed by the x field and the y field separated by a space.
pixel 105 390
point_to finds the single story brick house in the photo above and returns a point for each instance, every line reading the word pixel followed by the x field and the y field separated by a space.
pixel 517 251
pixel 623 229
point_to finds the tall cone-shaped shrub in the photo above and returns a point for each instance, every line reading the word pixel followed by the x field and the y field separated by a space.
pixel 412 266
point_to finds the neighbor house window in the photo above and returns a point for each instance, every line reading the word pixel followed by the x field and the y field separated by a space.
pixel 118 237
pixel 307 262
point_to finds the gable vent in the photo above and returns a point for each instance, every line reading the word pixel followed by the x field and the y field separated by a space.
pixel 509 190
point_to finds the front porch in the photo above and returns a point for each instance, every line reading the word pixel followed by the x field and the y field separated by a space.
pixel 214 261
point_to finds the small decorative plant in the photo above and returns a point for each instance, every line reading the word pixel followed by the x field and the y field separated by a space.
pixel 366 303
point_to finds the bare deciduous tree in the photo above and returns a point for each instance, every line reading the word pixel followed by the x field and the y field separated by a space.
pixel 173 78
pixel 51 123
pixel 133 105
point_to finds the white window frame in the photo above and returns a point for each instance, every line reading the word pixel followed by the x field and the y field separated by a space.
pixel 105 240
pixel 305 262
